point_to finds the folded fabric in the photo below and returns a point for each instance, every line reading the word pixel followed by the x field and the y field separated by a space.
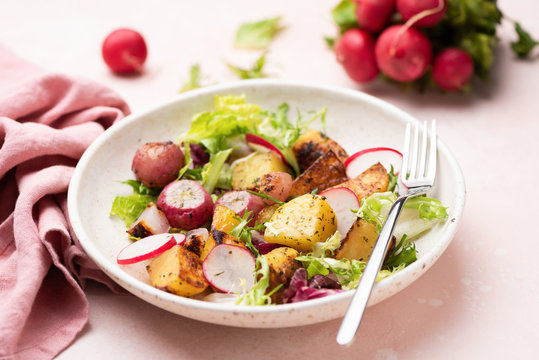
pixel 46 122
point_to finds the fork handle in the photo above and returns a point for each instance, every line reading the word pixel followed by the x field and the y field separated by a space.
pixel 357 306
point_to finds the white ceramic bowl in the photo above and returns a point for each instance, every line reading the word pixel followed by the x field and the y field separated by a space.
pixel 354 119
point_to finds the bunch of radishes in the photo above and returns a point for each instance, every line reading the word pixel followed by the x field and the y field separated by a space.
pixel 402 51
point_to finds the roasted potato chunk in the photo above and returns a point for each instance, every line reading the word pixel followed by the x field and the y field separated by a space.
pixel 195 241
pixel 372 180
pixel 311 145
pixel 282 265
pixel 359 242
pixel 324 173
pixel 266 213
pixel 224 219
pixel 247 171
pixel 177 271
pixel 301 222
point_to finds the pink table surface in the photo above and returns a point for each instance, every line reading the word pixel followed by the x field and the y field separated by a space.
pixel 478 301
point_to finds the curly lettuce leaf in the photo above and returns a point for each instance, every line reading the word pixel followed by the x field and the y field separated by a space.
pixel 257 35
pixel 256 295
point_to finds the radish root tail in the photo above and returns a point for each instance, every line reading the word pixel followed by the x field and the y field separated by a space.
pixel 411 21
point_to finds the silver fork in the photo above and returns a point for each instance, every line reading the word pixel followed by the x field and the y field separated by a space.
pixel 417 175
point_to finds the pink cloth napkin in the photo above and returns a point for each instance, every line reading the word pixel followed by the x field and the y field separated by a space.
pixel 46 122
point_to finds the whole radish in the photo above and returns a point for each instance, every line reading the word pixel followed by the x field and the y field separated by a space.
pixel 403 53
pixel 452 69
pixel 422 13
pixel 124 51
pixel 158 163
pixel 355 51
pixel 372 15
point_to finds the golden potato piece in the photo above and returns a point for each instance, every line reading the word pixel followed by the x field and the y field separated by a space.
pixel 177 271
pixel 324 173
pixel 359 242
pixel 374 179
pixel 311 145
pixel 301 222
pixel 224 219
pixel 266 213
pixel 282 265
pixel 247 171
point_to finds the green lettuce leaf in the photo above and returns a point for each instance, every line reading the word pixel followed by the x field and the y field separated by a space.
pixel 212 171
pixel 402 255
pixel 348 272
pixel 328 247
pixel 128 208
pixel 194 79
pixel 255 72
pixel 257 35
pixel 256 295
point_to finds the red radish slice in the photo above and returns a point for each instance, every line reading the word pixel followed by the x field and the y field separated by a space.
pixel 255 142
pixel 342 200
pixel 147 248
pixel 241 201
pixel 152 221
pixel 364 159
pixel 226 265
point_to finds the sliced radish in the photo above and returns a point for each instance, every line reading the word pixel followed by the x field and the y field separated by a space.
pixel 364 159
pixel 152 221
pixel 148 247
pixel 241 201
pixel 258 143
pixel 230 268
pixel 186 204
pixel 342 200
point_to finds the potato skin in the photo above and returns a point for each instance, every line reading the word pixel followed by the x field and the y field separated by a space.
pixel 177 271
pixel 374 179
pixel 156 164
pixel 311 145
pixel 301 222
pixel 326 171
pixel 282 265
pixel 248 171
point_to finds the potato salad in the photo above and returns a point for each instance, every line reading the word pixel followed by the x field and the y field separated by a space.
pixel 252 206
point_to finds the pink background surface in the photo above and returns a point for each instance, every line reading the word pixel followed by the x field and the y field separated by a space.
pixel 478 301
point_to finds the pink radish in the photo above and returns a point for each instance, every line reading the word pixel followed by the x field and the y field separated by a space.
pixel 342 200
pixel 241 201
pixel 148 247
pixel 355 52
pixel 230 268
pixel 186 204
pixel 275 184
pixel 152 221
pixel 403 53
pixel 124 51
pixel 258 143
pixel 422 13
pixel 452 69
pixel 158 163
pixel 364 159
pixel 372 15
